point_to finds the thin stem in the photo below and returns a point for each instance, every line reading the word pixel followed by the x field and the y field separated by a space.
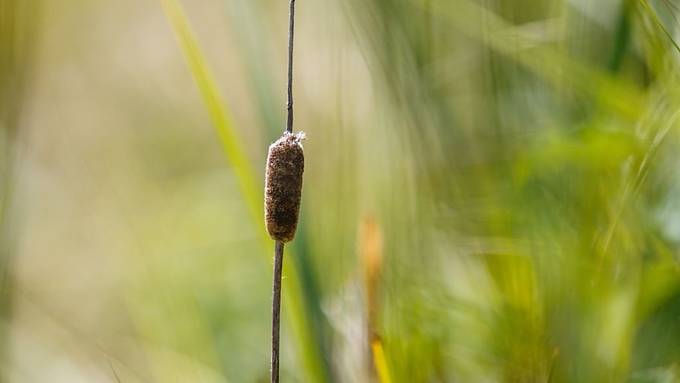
pixel 291 34
pixel 276 310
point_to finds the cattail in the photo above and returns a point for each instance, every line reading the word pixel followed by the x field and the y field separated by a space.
pixel 283 186
pixel 282 190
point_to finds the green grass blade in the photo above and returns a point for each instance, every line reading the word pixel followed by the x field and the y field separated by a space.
pixel 221 117
pixel 652 13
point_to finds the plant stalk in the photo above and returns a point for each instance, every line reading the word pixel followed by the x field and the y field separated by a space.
pixel 276 310
pixel 291 35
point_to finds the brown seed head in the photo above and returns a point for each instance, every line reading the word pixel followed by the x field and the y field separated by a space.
pixel 283 186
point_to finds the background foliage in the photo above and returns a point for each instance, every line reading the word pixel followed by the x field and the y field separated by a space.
pixel 491 191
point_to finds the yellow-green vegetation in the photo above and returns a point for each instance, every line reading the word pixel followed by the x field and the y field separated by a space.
pixel 491 191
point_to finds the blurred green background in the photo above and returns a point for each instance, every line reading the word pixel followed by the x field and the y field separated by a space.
pixel 491 192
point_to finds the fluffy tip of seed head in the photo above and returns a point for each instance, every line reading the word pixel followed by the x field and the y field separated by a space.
pixel 292 137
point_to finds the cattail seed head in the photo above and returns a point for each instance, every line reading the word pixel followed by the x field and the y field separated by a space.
pixel 283 186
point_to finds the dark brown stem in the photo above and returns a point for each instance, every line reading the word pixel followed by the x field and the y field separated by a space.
pixel 291 34
pixel 276 309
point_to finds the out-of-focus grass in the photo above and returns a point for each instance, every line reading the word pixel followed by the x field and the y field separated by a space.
pixel 544 176
pixel 519 160
pixel 16 42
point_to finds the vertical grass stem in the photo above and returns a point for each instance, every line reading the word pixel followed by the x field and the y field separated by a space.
pixel 276 310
